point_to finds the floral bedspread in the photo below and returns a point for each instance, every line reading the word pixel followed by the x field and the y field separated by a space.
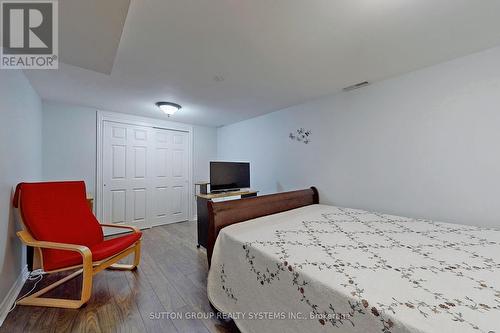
pixel 329 269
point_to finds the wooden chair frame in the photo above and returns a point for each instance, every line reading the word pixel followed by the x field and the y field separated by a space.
pixel 87 268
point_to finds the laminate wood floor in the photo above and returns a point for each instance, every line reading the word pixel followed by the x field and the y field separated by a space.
pixel 170 278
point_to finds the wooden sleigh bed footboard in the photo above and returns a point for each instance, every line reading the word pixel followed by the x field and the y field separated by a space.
pixel 223 214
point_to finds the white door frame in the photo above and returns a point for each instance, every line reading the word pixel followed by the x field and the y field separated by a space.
pixel 103 116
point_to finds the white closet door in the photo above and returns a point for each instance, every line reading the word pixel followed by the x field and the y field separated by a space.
pixel 126 179
pixel 170 177
pixel 145 175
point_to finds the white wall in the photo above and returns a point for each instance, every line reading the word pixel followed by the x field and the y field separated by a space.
pixel 70 141
pixel 425 144
pixel 20 160
pixel 205 150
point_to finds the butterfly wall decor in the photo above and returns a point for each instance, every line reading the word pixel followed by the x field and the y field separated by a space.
pixel 301 135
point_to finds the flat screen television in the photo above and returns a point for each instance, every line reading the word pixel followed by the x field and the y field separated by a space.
pixel 229 176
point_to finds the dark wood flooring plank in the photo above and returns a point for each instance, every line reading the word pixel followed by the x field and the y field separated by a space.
pixel 42 319
pixel 150 307
pixel 90 317
pixel 167 294
pixel 127 316
pixel 189 325
pixel 65 318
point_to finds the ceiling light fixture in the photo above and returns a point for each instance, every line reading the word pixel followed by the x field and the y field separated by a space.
pixel 168 108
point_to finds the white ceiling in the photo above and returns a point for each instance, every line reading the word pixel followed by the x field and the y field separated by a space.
pixel 89 26
pixel 270 54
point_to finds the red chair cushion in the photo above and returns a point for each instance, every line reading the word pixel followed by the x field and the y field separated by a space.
pixel 59 212
pixel 56 259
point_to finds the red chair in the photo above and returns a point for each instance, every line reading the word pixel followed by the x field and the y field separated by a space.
pixel 59 224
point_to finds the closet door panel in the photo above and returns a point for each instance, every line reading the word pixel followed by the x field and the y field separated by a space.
pixel 145 175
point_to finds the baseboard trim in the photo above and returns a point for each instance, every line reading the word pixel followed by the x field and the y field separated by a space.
pixel 10 298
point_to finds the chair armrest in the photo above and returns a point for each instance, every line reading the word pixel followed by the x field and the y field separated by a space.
pixel 27 239
pixel 135 229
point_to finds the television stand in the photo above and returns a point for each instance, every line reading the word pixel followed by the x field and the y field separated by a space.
pixel 202 209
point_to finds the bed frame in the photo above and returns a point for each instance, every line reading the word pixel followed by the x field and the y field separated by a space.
pixel 222 214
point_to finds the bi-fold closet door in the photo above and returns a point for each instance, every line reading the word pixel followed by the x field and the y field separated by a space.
pixel 145 175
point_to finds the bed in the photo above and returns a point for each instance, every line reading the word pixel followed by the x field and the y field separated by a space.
pixel 306 267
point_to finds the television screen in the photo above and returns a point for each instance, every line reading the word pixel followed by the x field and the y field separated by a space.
pixel 225 176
